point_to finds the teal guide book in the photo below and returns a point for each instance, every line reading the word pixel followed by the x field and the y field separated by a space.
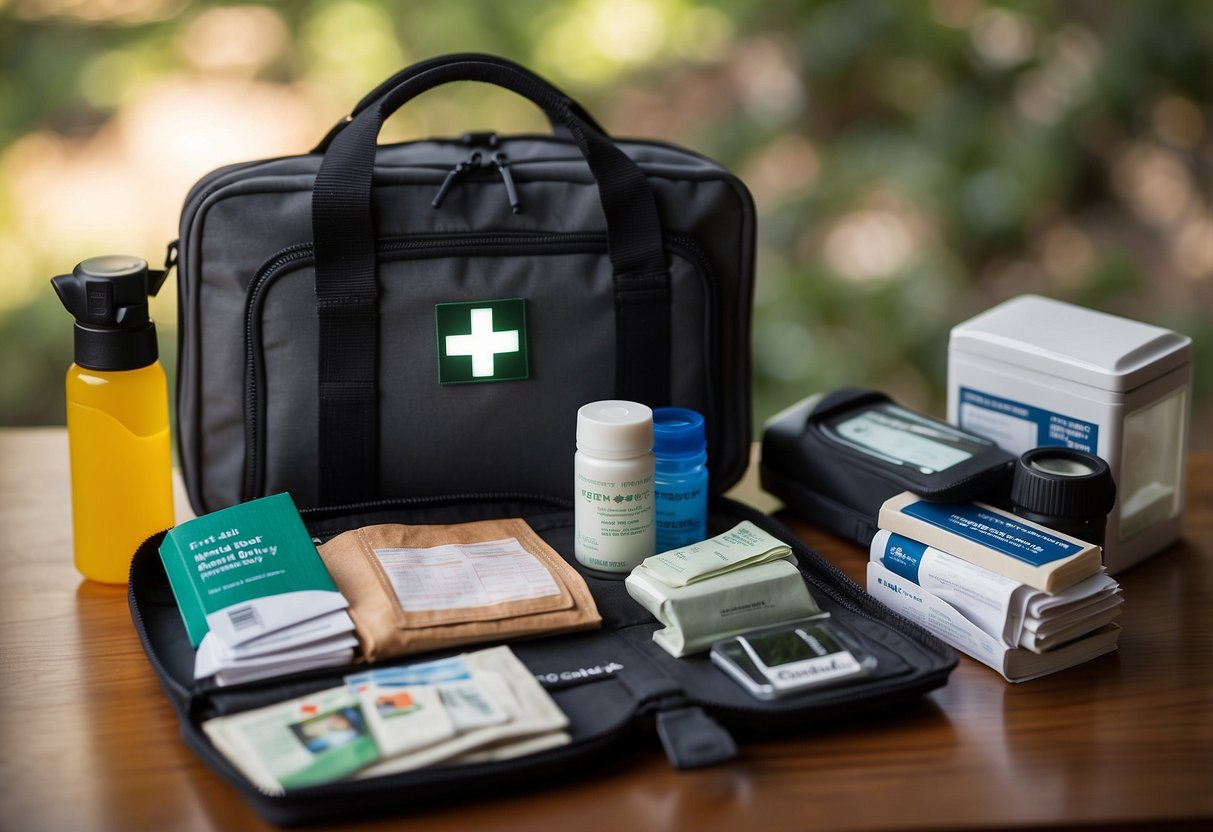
pixel 246 571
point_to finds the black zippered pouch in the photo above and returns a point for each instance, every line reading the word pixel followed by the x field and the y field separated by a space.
pixel 311 360
pixel 619 690
pixel 839 482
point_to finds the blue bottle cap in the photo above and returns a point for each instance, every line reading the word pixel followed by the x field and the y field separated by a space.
pixel 678 431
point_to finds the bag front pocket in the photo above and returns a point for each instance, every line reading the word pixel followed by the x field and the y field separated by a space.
pixel 514 435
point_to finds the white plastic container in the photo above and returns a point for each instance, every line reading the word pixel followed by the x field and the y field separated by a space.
pixel 1034 371
pixel 613 486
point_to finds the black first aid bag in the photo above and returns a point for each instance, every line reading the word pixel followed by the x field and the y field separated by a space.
pixel 375 322
pixel 378 331
pixel 835 458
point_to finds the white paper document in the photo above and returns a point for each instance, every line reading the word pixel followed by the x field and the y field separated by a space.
pixel 473 707
pixel 324 640
pixel 460 575
pixel 529 714
pixel 257 618
pixel 1016 664
pixel 414 706
pixel 999 606
pixel 213 657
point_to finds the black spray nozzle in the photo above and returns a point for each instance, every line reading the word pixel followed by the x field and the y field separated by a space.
pixel 108 297
pixel 108 291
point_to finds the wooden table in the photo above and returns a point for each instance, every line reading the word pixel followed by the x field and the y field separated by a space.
pixel 89 743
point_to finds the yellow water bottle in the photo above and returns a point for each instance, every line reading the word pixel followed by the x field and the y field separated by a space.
pixel 117 415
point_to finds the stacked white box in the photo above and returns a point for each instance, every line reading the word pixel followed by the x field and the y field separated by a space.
pixel 1034 371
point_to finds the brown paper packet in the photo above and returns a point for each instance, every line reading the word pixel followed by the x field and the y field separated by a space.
pixel 384 629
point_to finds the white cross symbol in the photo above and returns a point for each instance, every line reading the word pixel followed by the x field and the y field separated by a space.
pixel 483 344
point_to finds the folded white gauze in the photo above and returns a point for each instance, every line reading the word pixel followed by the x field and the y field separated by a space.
pixel 742 546
pixel 697 614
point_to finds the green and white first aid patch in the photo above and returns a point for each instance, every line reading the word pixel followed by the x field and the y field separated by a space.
pixel 482 341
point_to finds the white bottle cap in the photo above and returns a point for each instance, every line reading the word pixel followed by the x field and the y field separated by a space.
pixel 615 429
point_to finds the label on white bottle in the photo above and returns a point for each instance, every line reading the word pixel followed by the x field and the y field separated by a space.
pixel 614 521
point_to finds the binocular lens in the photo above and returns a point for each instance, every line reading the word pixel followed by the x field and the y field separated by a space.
pixel 1062 464
pixel 1068 491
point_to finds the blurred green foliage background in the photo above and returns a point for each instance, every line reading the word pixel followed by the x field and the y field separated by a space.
pixel 913 163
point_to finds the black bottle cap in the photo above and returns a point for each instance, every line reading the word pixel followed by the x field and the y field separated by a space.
pixel 108 297
pixel 1067 490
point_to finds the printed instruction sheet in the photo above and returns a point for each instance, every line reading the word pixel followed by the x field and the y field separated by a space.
pixel 459 575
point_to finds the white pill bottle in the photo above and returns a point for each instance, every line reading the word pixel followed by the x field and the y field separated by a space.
pixel 613 485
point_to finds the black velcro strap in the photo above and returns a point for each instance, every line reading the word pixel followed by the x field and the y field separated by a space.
pixel 642 338
pixel 348 308
pixel 692 739
pixel 348 452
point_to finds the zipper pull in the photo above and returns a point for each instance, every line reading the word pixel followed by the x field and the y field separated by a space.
pixel 455 174
pixel 501 162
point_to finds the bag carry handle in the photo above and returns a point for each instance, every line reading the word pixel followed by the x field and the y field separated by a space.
pixel 345 263
pixel 412 71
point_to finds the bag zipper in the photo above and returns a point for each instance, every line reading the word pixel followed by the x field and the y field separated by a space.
pixel 430 245
pixel 498 161
pixel 318 514
pixel 501 162
pixel 216 179
pixel 141 628
pixel 322 512
pixel 458 172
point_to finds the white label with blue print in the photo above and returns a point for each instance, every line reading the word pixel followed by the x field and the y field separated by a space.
pixel 1027 542
pixel 1018 427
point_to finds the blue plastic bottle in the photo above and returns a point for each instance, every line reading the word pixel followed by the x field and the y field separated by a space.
pixel 680 477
